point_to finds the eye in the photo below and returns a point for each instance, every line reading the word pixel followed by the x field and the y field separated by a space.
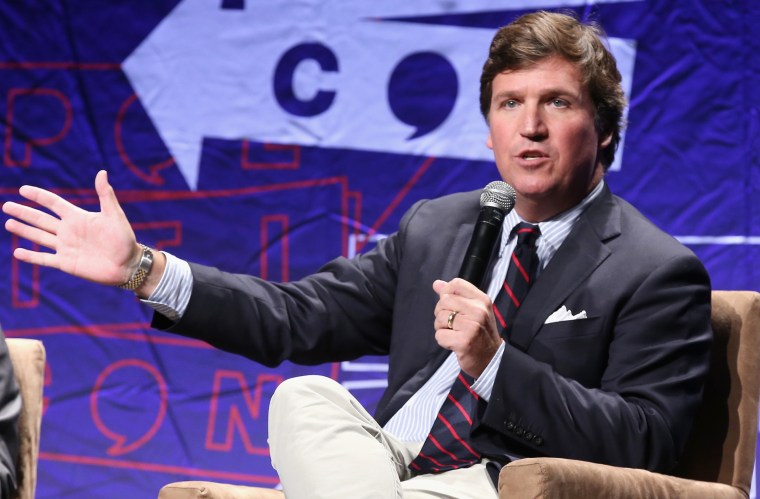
pixel 559 102
pixel 510 104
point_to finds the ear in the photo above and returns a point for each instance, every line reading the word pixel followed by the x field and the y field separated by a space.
pixel 489 141
pixel 606 141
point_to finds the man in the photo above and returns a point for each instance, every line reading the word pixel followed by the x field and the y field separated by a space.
pixel 618 384
pixel 10 408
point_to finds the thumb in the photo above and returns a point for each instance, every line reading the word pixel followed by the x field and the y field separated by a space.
pixel 109 205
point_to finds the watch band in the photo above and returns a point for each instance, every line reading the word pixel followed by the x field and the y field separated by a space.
pixel 146 262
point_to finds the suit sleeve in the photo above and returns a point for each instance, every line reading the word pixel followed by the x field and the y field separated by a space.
pixel 640 413
pixel 341 312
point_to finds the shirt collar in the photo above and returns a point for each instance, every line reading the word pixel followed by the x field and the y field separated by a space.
pixel 555 230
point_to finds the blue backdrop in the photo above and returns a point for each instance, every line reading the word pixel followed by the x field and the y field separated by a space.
pixel 268 137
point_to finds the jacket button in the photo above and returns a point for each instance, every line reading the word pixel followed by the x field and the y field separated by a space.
pixel 528 435
pixel 510 426
pixel 538 440
pixel 519 431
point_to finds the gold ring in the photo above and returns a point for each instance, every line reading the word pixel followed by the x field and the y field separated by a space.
pixel 450 322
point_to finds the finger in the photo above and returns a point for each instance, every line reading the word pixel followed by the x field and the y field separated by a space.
pixel 30 233
pixel 448 318
pixel 439 286
pixel 47 199
pixel 449 303
pixel 109 204
pixel 441 319
pixel 36 257
pixel 451 339
pixel 441 306
pixel 461 287
pixel 32 217
pixel 445 339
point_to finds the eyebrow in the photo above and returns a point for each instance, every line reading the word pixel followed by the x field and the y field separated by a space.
pixel 553 91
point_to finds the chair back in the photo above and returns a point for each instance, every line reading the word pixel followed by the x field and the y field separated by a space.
pixel 722 443
pixel 28 359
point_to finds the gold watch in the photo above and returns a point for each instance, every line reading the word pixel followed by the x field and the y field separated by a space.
pixel 146 262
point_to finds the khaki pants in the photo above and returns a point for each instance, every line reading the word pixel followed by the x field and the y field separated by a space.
pixel 324 444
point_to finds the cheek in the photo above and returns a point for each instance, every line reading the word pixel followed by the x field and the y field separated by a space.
pixel 580 145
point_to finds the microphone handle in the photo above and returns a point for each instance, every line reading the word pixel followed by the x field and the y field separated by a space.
pixel 487 228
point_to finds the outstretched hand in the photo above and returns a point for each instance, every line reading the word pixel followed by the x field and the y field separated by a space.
pixel 472 334
pixel 97 246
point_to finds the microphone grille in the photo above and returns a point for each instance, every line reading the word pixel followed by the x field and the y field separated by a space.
pixel 498 194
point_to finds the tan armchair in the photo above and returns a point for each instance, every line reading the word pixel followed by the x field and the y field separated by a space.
pixel 719 456
pixel 28 359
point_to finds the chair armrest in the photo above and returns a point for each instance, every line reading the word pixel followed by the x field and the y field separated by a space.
pixel 211 490
pixel 541 478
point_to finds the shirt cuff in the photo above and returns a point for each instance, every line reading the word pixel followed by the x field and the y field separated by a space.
pixel 484 384
pixel 171 296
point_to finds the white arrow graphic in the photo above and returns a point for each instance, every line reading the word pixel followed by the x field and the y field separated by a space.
pixel 209 72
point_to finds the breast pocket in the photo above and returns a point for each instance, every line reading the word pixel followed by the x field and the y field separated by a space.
pixel 576 349
pixel 577 328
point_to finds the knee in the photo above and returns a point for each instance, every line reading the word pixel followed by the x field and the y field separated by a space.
pixel 297 392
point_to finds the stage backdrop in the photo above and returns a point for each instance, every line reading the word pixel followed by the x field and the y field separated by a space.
pixel 269 136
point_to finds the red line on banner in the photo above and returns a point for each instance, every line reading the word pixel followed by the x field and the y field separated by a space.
pixel 152 196
pixel 48 380
pixel 108 331
pixel 235 416
pixel 293 164
pixel 265 222
pixel 355 197
pixel 158 468
pixel 400 196
pixel 174 226
pixel 153 176
pixel 34 299
pixel 13 95
pixel 119 447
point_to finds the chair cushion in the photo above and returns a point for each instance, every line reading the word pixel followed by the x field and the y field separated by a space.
pixel 210 490
pixel 555 478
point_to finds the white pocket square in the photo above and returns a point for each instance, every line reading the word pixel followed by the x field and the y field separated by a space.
pixel 563 314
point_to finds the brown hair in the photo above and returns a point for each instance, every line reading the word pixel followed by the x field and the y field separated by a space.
pixel 536 36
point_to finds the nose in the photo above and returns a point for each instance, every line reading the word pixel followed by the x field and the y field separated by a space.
pixel 533 125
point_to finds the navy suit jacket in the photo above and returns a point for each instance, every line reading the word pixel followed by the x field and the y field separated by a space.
pixel 620 387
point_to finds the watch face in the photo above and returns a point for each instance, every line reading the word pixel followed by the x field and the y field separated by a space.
pixel 147 259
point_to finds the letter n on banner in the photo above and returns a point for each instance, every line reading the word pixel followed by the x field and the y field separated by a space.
pixel 234 410
pixel 275 240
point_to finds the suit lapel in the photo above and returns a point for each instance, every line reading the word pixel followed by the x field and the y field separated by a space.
pixel 437 355
pixel 457 250
pixel 581 253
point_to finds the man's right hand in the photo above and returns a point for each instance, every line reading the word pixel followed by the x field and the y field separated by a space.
pixel 97 246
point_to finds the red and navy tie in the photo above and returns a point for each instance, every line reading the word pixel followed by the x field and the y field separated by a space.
pixel 520 276
pixel 448 445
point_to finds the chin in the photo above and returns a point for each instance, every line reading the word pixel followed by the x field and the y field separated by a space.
pixel 533 189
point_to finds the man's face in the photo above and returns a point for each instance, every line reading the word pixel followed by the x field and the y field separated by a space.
pixel 543 136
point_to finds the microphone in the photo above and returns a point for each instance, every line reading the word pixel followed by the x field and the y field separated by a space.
pixel 496 200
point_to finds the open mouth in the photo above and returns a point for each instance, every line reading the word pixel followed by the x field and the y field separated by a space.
pixel 532 155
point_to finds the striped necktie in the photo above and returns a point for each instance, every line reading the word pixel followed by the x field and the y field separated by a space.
pixel 447 447
pixel 520 276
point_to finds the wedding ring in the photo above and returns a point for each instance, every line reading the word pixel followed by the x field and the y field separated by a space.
pixel 450 322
